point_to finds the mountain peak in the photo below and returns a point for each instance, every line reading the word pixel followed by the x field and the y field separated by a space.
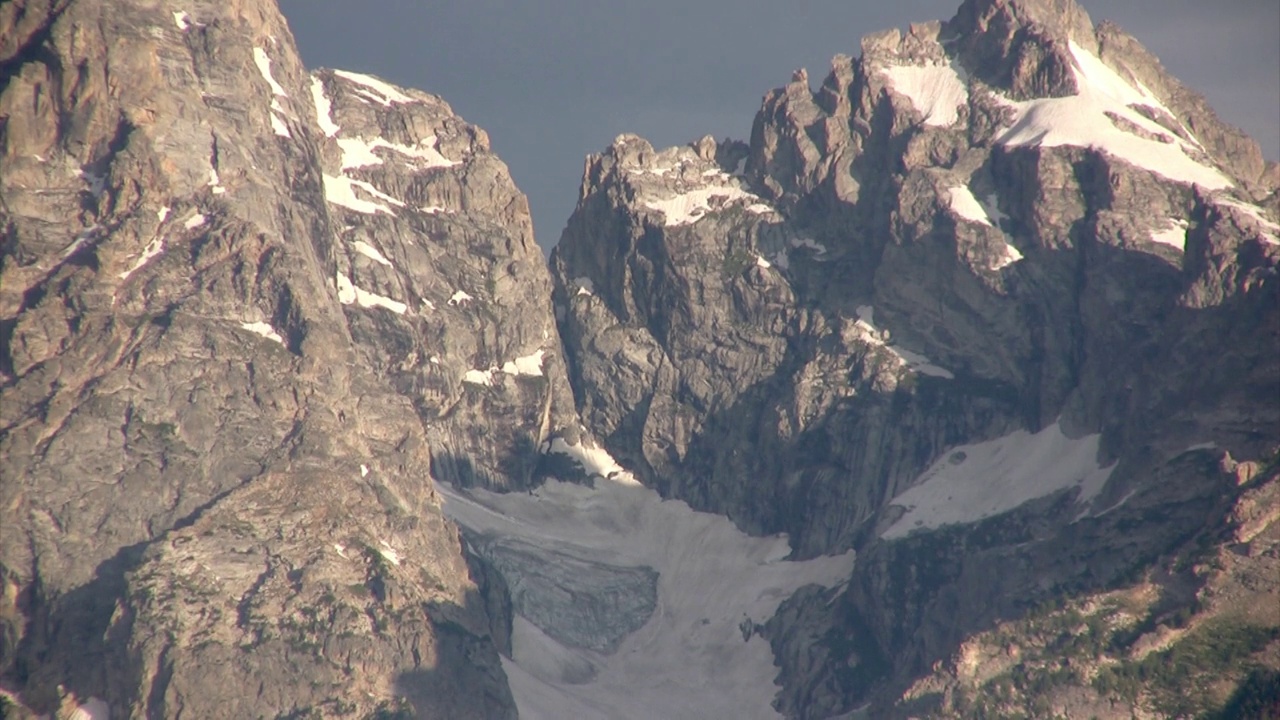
pixel 1063 18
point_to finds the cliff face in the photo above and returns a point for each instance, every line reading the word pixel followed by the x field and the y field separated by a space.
pixel 995 306
pixel 241 306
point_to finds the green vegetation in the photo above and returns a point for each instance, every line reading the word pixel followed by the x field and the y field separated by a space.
pixel 399 709
pixel 1180 680
pixel 1061 643
pixel 1257 698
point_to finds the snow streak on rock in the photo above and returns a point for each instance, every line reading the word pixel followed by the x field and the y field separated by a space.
pixel 374 89
pixel 1087 120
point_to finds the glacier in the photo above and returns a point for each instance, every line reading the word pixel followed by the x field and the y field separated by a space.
pixel 694 652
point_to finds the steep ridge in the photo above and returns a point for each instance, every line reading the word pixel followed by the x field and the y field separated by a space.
pixel 434 232
pixel 242 309
pixel 996 307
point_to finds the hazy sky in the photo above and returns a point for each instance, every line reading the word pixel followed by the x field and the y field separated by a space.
pixel 554 80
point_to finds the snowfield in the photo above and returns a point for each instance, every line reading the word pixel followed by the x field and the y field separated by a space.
pixel 1085 120
pixel 689 659
pixel 935 91
pixel 972 482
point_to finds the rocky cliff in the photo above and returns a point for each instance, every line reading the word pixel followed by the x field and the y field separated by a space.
pixel 996 306
pixel 245 312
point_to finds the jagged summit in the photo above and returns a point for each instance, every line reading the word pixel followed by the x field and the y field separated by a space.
pixel 969 307
pixel 978 339
pixel 247 312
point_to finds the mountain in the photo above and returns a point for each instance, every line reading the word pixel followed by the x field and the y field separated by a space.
pixel 950 393
pixel 247 311
pixel 995 306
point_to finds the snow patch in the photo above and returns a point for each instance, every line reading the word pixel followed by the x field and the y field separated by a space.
pixel 389 553
pixel 460 298
pixel 194 221
pixel 1271 231
pixel 1120 503
pixel 371 252
pixel 341 550
pixel 809 244
pixel 585 286
pixel 691 206
pixel 182 20
pixel 278 126
pixel 1103 79
pixel 869 333
pixel 349 294
pixel 1175 235
pixel 162 214
pixel 153 248
pixel 1201 446
pixel 364 470
pixel 935 91
pixel 527 365
pixel 383 93
pixel 341 190
pixel 92 709
pixel 594 461
pixel 263 329
pixel 359 153
pixel 972 482
pixel 1009 257
pixel 324 109
pixel 991 206
pixel 215 182
pixel 478 377
pixel 97 183
pixel 1252 211
pixel 762 263
pixel 263 61
pixel 1081 120
pixel 963 203
pixel 82 237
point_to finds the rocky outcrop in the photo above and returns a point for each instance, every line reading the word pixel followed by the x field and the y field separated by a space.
pixel 975 307
pixel 446 292
pixel 994 306
pixel 241 308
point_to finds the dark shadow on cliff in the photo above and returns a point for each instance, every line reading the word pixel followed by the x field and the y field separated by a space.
pixel 65 639
pixel 517 465
pixel 465 679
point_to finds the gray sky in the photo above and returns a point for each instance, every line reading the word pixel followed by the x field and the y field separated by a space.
pixel 554 80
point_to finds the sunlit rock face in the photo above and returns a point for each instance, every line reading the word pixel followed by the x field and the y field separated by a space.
pixel 239 301
pixel 994 305
pixel 993 308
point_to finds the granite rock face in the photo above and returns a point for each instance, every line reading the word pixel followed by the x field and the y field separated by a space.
pixel 238 307
pixel 995 306
pixel 1008 246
